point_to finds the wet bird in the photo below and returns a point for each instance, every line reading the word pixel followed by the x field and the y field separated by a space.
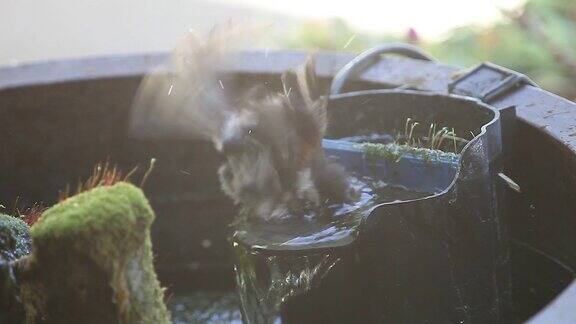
pixel 271 141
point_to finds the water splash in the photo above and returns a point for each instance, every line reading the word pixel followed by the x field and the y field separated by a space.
pixel 330 227
pixel 265 283
pixel 276 261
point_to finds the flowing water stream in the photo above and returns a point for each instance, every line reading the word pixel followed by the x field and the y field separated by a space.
pixel 276 261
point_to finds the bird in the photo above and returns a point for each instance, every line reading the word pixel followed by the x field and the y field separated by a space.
pixel 271 142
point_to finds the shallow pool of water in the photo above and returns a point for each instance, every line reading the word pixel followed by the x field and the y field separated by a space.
pixel 205 307
pixel 330 227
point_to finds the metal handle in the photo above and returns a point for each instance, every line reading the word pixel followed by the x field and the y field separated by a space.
pixel 366 59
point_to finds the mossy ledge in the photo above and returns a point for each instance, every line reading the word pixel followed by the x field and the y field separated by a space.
pixel 395 152
pixel 92 261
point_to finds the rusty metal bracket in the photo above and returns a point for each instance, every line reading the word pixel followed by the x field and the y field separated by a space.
pixel 488 82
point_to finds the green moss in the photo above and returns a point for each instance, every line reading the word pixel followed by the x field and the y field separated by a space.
pixel 373 150
pixel 394 152
pixel 14 238
pixel 104 214
pixel 92 261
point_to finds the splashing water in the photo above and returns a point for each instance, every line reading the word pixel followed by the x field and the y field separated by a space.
pixel 275 261
pixel 265 283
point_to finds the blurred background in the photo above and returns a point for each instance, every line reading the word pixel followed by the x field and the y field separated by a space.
pixel 536 37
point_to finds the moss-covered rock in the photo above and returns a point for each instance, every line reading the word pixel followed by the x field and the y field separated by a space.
pixel 14 238
pixel 92 261
pixel 14 244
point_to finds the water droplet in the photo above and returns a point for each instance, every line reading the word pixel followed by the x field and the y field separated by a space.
pixel 206 243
